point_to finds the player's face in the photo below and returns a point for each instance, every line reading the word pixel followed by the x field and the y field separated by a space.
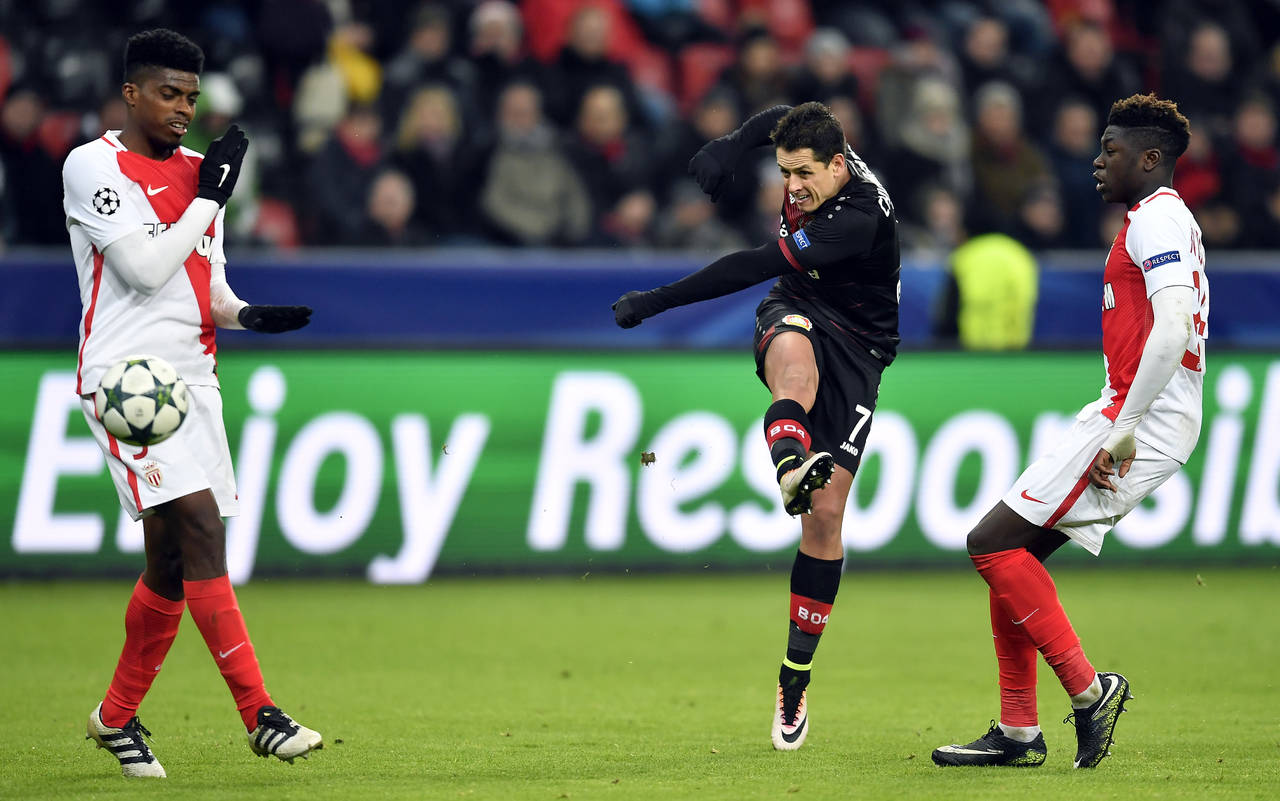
pixel 162 104
pixel 1118 167
pixel 810 182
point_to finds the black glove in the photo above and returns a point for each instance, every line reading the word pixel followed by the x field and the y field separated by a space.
pixel 221 165
pixel 712 166
pixel 633 307
pixel 274 319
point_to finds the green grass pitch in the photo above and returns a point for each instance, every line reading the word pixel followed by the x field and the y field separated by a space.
pixel 639 687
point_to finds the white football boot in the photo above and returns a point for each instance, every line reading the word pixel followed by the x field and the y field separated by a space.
pixel 278 735
pixel 125 744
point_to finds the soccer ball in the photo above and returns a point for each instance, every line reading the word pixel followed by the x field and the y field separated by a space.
pixel 141 400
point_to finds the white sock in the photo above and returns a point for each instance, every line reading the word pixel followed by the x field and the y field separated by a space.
pixel 1090 696
pixel 1023 734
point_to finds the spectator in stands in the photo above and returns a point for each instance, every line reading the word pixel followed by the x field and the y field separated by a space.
pixel 611 161
pixel 630 222
pixel 440 161
pixel 1041 221
pixel 338 178
pixel 497 54
pixel 1203 80
pixel 1005 163
pixel 985 56
pixel 584 63
pixel 715 115
pixel 921 56
pixel 1086 66
pixel 690 223
pixel 940 229
pixel 757 78
pixel 825 72
pixel 860 136
pixel 30 177
pixel 532 195
pixel 1074 142
pixel 1198 177
pixel 1253 166
pixel 389 213
pixel 934 144
pixel 1263 229
pixel 427 58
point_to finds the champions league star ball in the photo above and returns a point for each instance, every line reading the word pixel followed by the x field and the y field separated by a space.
pixel 141 400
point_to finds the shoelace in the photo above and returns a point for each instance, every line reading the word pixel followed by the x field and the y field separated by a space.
pixel 135 727
pixel 791 703
pixel 279 721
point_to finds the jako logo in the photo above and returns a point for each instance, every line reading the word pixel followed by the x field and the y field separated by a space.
pixel 1160 258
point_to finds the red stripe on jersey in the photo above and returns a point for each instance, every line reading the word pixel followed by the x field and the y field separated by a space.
pixel 1071 498
pixel 171 186
pixel 88 315
pixel 1125 326
pixel 782 243
pixel 133 478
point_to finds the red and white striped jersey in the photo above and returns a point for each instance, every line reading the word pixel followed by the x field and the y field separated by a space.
pixel 1159 246
pixel 108 193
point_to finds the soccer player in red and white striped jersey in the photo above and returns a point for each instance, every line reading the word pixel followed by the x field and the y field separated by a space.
pixel 145 218
pixel 1155 316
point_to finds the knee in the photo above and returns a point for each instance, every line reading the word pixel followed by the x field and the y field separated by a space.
pixel 824 525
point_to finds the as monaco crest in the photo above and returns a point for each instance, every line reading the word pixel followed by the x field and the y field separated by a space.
pixel 152 471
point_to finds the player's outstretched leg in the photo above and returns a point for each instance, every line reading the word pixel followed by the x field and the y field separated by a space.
pixel 798 485
pixel 1096 724
pixel 280 736
pixel 993 748
pixel 126 744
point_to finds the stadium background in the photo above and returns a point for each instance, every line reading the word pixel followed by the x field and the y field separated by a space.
pixel 461 189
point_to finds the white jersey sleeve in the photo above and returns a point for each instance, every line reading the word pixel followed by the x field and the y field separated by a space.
pixel 93 197
pixel 1160 243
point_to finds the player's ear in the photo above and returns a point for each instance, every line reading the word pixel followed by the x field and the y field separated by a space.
pixel 130 93
pixel 1151 159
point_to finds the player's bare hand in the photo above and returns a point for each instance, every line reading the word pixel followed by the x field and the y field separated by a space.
pixel 1101 472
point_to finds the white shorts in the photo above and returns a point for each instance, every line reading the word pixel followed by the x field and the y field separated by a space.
pixel 196 457
pixel 1054 491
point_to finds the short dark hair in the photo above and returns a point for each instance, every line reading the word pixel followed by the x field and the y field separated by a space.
pixel 1152 123
pixel 810 125
pixel 161 48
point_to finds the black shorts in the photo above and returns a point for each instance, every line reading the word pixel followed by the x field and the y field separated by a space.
pixel 848 381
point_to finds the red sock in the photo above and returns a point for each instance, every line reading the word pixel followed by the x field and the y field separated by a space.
pixel 1016 655
pixel 150 624
pixel 1029 599
pixel 214 609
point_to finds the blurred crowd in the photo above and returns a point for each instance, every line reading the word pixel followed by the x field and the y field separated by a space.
pixel 567 123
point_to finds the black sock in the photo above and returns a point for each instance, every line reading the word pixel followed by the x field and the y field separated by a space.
pixel 814 583
pixel 786 429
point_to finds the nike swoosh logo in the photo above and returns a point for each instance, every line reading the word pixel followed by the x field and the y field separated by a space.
pixel 153 192
pixel 226 168
pixel 1106 695
pixel 795 735
pixel 1025 619
pixel 954 749
pixel 227 653
pixel 1028 497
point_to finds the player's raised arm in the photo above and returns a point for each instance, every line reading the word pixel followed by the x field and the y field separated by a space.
pixel 724 276
pixel 147 263
pixel 712 166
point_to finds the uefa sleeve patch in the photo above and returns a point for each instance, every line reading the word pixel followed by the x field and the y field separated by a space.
pixel 802 240
pixel 1160 258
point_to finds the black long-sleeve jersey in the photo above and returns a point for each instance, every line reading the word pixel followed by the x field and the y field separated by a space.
pixel 845 262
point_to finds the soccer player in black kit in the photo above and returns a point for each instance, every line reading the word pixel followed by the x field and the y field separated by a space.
pixel 824 333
